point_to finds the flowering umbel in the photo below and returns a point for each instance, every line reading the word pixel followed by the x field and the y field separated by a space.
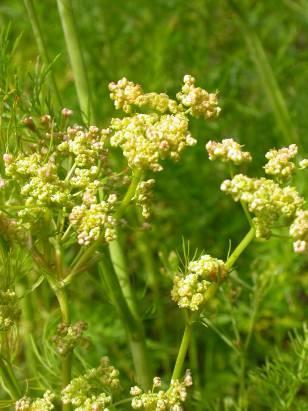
pixel 38 404
pixel 189 289
pixel 227 151
pixel 91 391
pixel 171 399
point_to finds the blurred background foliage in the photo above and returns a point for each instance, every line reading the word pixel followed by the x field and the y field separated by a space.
pixel 256 54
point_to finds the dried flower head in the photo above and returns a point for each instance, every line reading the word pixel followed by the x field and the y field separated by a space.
pixel 227 151
pixel 69 337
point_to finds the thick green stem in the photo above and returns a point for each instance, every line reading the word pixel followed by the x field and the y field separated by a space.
pixel 119 264
pixel 67 360
pixel 130 321
pixel 66 13
pixel 40 41
pixel 211 292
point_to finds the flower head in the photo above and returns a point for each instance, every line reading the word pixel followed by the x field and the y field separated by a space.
pixel 279 164
pixel 227 151
pixel 189 289
pixel 199 101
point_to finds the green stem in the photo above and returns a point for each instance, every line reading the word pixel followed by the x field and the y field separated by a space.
pixel 240 248
pixel 76 58
pixel 37 31
pixel 211 292
pixel 136 177
pixel 68 359
pixel 182 352
pixel 120 268
pixel 131 323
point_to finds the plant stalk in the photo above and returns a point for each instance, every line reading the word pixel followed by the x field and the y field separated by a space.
pixel 182 352
pixel 211 292
pixel 68 359
pixel 41 44
pixel 131 322
pixel 67 17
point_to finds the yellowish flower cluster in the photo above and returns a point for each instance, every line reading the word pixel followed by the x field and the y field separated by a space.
pixel 158 102
pixel 267 200
pixel 124 94
pixel 189 289
pixel 169 400
pixel 39 182
pixel 93 220
pixel 144 195
pixel 200 102
pixel 227 151
pixel 147 138
pixel 279 164
pixel 303 164
pixel 299 231
pixel 69 336
pixel 39 404
pixel 9 311
pixel 82 392
pixel 87 146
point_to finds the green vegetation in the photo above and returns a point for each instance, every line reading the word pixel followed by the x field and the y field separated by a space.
pixel 119 264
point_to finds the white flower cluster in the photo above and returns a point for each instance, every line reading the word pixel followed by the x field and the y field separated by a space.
pixel 93 220
pixel 39 404
pixel 227 151
pixel 169 400
pixel 299 231
pixel 144 195
pixel 147 138
pixel 200 102
pixel 279 163
pixel 9 312
pixel 267 200
pixel 87 146
pixel 82 392
pixel 189 290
